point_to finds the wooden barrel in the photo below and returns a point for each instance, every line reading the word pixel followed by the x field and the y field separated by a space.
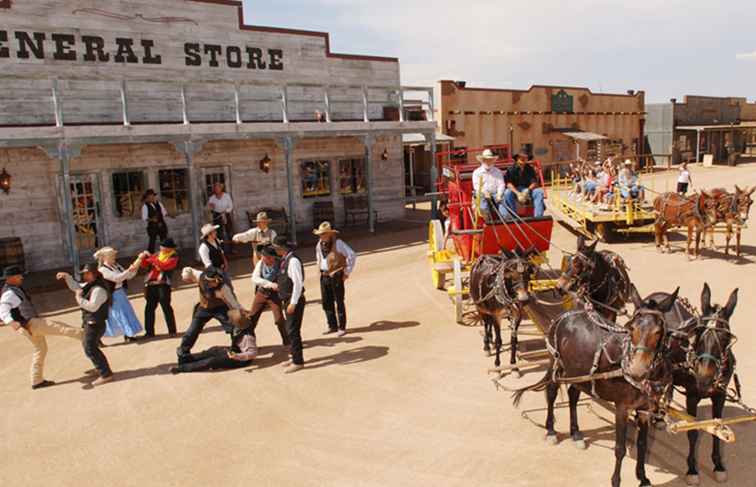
pixel 12 252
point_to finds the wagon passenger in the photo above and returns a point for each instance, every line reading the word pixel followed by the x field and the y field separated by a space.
pixel 522 185
pixel 488 183
pixel 629 185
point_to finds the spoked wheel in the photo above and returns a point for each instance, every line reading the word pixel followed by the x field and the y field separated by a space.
pixel 471 318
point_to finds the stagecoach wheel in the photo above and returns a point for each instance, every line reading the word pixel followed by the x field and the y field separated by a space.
pixel 459 302
pixel 605 232
pixel 472 318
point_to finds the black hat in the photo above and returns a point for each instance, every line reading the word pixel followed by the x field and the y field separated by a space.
pixel 268 251
pixel 147 193
pixel 168 243
pixel 213 273
pixel 12 270
pixel 90 267
pixel 283 243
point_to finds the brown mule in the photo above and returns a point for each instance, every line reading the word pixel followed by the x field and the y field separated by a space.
pixel 733 210
pixel 674 210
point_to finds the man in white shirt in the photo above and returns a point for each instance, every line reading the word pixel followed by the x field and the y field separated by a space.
pixel 259 236
pixel 488 183
pixel 222 208
pixel 291 290
pixel 336 262
pixel 18 313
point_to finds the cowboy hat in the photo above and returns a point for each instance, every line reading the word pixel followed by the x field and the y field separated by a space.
pixel 628 162
pixel 208 229
pixel 324 228
pixel 104 252
pixel 149 192
pixel 487 155
pixel 282 243
pixel 268 251
pixel 262 217
pixel 168 243
pixel 521 155
pixel 90 267
pixel 12 270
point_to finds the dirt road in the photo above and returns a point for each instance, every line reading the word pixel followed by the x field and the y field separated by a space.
pixel 402 400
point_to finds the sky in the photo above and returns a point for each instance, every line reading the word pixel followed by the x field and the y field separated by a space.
pixel 668 48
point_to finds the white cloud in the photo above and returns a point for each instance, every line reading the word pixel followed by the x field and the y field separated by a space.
pixel 746 55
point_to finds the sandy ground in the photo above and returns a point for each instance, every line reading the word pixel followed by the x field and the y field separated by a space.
pixel 402 400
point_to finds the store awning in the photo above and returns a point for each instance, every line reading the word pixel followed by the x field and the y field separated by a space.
pixel 726 126
pixel 419 139
pixel 585 136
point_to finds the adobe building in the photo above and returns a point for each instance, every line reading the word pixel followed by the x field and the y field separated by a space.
pixel 101 100
pixel 723 127
pixel 549 123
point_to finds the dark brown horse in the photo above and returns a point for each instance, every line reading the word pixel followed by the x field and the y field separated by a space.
pixel 733 210
pixel 498 287
pixel 598 276
pixel 704 364
pixel 674 210
pixel 584 343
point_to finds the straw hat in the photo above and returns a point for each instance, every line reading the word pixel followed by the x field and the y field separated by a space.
pixel 324 228
pixel 628 162
pixel 104 252
pixel 208 229
pixel 262 217
pixel 487 156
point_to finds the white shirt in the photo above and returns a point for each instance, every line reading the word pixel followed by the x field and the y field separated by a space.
pixel 684 176
pixel 222 204
pixel 493 181
pixel 226 293
pixel 8 302
pixel 257 279
pixel 97 297
pixel 294 271
pixel 146 213
pixel 255 236
pixel 341 248
pixel 117 275
pixel 204 252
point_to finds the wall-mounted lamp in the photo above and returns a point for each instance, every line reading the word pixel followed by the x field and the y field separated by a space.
pixel 385 154
pixel 5 181
pixel 265 164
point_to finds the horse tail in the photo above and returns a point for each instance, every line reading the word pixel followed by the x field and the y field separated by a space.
pixel 537 387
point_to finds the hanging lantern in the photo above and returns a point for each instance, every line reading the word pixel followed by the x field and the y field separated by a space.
pixel 265 164
pixel 5 181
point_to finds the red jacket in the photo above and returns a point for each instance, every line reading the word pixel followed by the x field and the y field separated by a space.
pixel 160 272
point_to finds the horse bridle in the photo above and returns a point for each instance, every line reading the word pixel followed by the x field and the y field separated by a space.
pixel 708 325
pixel 647 385
pixel 588 265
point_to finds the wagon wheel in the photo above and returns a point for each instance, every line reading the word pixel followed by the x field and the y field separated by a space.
pixel 459 301
pixel 471 317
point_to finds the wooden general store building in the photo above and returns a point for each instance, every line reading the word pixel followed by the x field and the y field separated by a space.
pixel 101 100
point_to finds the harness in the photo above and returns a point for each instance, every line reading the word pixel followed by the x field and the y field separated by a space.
pixel 618 290
pixel 499 290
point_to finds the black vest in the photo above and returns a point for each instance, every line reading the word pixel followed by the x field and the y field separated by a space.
pixel 25 311
pixel 99 316
pixel 216 254
pixel 155 213
pixel 285 284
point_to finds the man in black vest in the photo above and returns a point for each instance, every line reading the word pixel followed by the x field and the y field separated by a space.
pixel 216 298
pixel 153 213
pixel 17 312
pixel 94 299
pixel 291 291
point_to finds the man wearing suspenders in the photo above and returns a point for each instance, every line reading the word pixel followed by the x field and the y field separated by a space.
pixel 291 290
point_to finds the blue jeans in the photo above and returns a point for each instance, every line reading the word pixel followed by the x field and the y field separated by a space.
pixel 486 210
pixel 536 195
pixel 632 192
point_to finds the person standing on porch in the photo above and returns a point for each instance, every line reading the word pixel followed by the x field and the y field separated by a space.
pixel 94 299
pixel 121 320
pixel 157 287
pixel 222 208
pixel 18 313
pixel 291 290
pixel 154 214
pixel 335 261
pixel 259 237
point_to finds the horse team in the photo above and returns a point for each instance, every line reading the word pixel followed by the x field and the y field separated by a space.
pixel 664 343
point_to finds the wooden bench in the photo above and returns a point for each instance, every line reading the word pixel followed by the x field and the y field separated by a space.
pixel 355 206
pixel 279 221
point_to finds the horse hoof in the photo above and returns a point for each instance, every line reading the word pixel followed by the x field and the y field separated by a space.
pixel 720 477
pixel 516 373
pixel 692 480
pixel 580 444
pixel 551 440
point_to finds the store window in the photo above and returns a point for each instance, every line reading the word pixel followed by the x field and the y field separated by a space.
pixel 352 177
pixel 174 190
pixel 128 188
pixel 316 178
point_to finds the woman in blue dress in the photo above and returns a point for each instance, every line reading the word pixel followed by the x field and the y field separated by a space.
pixel 121 319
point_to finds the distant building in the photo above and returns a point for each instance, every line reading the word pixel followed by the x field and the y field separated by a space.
pixel 724 127
pixel 550 123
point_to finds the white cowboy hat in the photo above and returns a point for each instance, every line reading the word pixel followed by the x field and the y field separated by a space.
pixel 208 229
pixel 104 252
pixel 324 228
pixel 262 217
pixel 628 162
pixel 487 155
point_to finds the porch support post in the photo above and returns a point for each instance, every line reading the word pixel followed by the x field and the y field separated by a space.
pixel 64 153
pixel 368 141
pixel 189 148
pixel 698 146
pixel 288 147
pixel 431 139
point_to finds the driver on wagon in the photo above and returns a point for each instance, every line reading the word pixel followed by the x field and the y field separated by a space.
pixel 488 183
